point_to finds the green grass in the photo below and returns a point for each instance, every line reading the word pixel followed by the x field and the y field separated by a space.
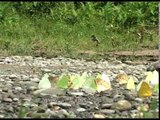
pixel 18 37
pixel 66 30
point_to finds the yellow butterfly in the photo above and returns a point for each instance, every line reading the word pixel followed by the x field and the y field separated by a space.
pixel 122 78
pixel 144 90
pixel 130 83
pixel 102 85
pixel 103 82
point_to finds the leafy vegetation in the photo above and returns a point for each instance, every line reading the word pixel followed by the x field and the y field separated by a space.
pixel 63 28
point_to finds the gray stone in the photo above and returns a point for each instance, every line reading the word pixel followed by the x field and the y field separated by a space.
pixel 13 76
pixel 106 106
pixel 64 105
pixel 81 109
pixel 46 70
pixel 7 100
pixel 18 88
pixel 77 93
pixel 139 100
pixel 28 58
pixel 35 79
pixel 25 78
pixel 15 99
pixel 1 116
pixel 118 97
pixel 107 111
pixel 122 105
pixel 129 96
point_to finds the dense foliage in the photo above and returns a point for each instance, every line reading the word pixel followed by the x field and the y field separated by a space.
pixel 122 14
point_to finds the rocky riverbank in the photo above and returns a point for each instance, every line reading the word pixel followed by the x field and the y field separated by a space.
pixel 20 75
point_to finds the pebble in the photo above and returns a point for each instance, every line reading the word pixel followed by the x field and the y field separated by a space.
pixel 84 105
pixel 18 88
pixel 28 58
pixel 13 76
pixel 140 100
pixel 8 60
pixel 83 102
pixel 32 88
pixel 122 105
pixel 25 77
pixel 106 106
pixel 35 79
pixel 7 100
pixel 129 97
pixel 107 111
pixel 81 109
pixel 64 105
pixel 118 97
pixel 10 109
pixel 60 114
pixel 1 116
pixel 50 112
pixel 46 70
pixel 15 99
pixel 77 93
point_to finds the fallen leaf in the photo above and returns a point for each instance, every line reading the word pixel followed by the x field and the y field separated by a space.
pixel 145 90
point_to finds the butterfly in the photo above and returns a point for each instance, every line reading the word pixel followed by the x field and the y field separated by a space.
pixel 144 90
pixel 130 83
pixel 44 82
pixel 103 83
pixel 122 78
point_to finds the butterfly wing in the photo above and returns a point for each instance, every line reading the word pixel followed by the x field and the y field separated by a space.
pixel 145 90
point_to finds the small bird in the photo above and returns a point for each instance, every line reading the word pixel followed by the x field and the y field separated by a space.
pixel 94 38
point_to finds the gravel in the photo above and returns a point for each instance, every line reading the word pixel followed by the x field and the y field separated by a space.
pixel 20 75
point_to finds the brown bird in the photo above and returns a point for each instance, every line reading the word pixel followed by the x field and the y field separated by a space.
pixel 94 38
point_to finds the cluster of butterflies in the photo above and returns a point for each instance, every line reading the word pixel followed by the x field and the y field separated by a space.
pixel 102 82
pixel 145 88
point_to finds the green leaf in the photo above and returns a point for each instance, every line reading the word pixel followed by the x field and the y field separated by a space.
pixel 44 82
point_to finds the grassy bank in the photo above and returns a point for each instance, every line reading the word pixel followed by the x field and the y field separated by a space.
pixel 65 29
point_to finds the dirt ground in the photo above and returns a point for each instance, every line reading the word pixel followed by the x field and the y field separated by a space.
pixel 144 52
